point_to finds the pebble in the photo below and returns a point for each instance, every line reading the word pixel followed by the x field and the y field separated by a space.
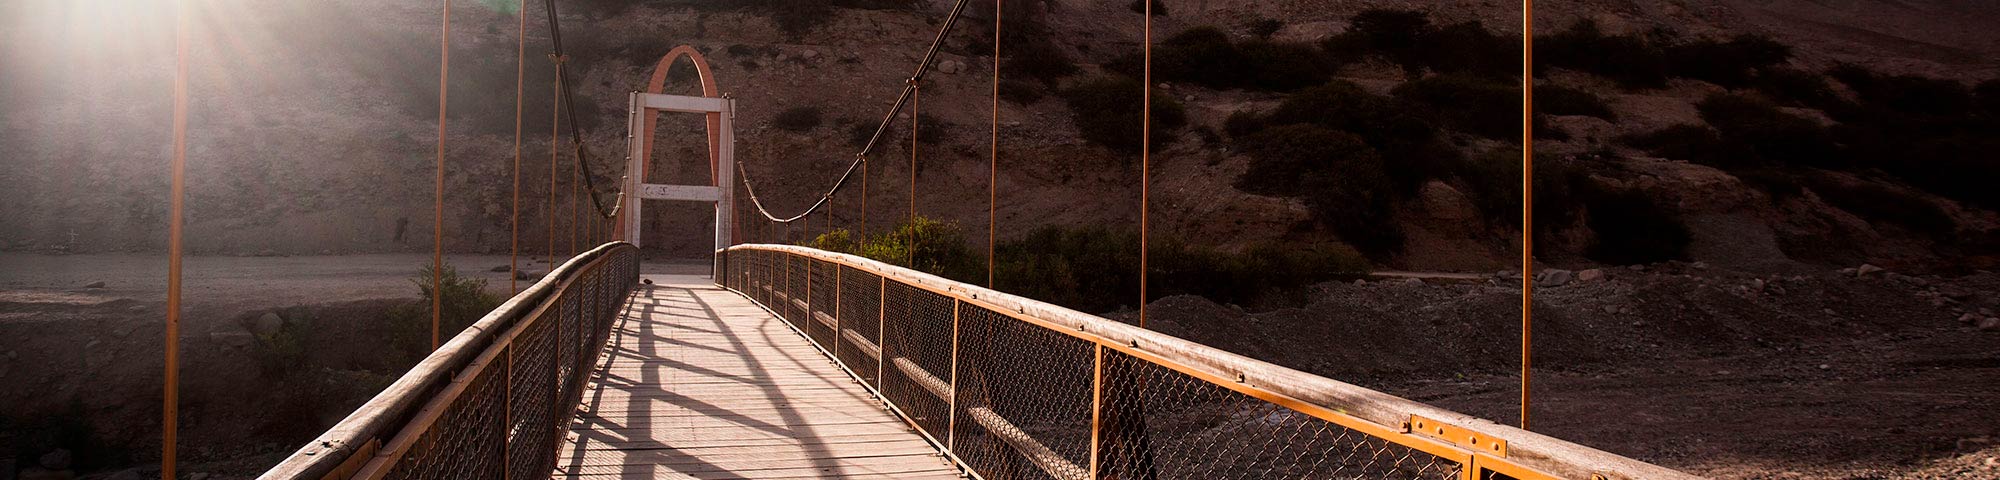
pixel 1590 275
pixel 1825 367
pixel 1866 269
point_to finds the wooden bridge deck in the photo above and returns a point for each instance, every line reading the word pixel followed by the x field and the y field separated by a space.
pixel 702 383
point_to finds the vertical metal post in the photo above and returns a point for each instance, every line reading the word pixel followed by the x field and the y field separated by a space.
pixel 635 165
pixel 170 409
pixel 725 173
pixel 951 426
pixel 881 326
pixel 1527 195
pixel 836 312
pixel 1096 406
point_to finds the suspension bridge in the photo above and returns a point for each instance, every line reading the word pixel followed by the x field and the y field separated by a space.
pixel 791 362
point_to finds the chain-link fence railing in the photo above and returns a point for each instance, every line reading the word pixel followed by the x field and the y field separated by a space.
pixel 494 401
pixel 1013 388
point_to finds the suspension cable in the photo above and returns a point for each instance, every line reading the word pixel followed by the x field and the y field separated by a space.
pixel 582 154
pixel 437 230
pixel 908 96
pixel 520 77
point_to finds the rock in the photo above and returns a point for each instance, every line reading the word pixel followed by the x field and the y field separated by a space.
pixel 526 275
pixel 59 459
pixel 1413 281
pixel 950 66
pixel 1700 265
pixel 1590 275
pixel 1757 284
pixel 1446 203
pixel 809 54
pixel 1610 309
pixel 1968 319
pixel 1637 268
pixel 1865 269
pixel 1556 278
pixel 267 324
pixel 94 285
pixel 233 339
pixel 1825 367
pixel 1989 324
pixel 1846 271
pixel 501 268
pixel 198 476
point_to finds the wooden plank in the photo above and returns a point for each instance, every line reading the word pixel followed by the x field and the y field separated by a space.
pixel 700 383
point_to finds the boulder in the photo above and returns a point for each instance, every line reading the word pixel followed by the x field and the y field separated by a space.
pixel 1866 269
pixel 1557 278
pixel 267 324
pixel 1590 275
pixel 950 66
pixel 1989 324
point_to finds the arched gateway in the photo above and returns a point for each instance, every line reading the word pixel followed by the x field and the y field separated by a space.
pixel 643 107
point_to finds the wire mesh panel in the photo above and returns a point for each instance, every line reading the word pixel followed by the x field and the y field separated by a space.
pixel 534 400
pixel 860 323
pixel 795 291
pixel 472 440
pixel 1161 423
pixel 820 298
pixel 1024 398
pixel 916 353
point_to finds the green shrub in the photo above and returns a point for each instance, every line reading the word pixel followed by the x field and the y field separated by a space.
pixel 1040 60
pixel 1411 148
pixel 922 244
pixel 1795 87
pixel 1019 92
pixel 1096 269
pixel 1560 100
pixel 1903 94
pixel 1243 123
pixel 282 352
pixel 1693 143
pixel 1631 61
pixel 1755 127
pixel 1107 111
pixel 1408 39
pixel 1559 186
pixel 797 119
pixel 1729 63
pixel 464 301
pixel 1139 6
pixel 1879 203
pixel 1206 56
pixel 1631 228
pixel 1279 66
pixel 1359 206
pixel 1493 180
pixel 1282 157
pixel 1264 28
pixel 1390 34
pixel 798 17
pixel 1468 103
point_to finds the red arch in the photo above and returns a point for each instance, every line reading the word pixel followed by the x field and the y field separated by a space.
pixel 656 85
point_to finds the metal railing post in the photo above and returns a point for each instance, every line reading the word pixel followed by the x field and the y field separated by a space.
pixel 951 407
pixel 1096 408
pixel 881 327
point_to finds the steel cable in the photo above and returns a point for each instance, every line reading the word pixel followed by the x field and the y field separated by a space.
pixel 908 96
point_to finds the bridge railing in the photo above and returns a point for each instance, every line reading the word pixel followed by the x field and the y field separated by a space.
pixel 494 401
pixel 1009 387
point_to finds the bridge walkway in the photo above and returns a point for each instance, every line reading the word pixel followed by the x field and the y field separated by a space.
pixel 698 382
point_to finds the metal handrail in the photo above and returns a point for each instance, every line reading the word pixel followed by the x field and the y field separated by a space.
pixel 369 440
pixel 1468 447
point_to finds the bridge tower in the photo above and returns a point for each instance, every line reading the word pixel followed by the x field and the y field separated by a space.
pixel 643 108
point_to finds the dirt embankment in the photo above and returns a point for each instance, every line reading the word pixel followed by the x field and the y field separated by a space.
pixel 1723 373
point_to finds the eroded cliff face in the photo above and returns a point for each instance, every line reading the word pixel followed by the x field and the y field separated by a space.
pixel 313 125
